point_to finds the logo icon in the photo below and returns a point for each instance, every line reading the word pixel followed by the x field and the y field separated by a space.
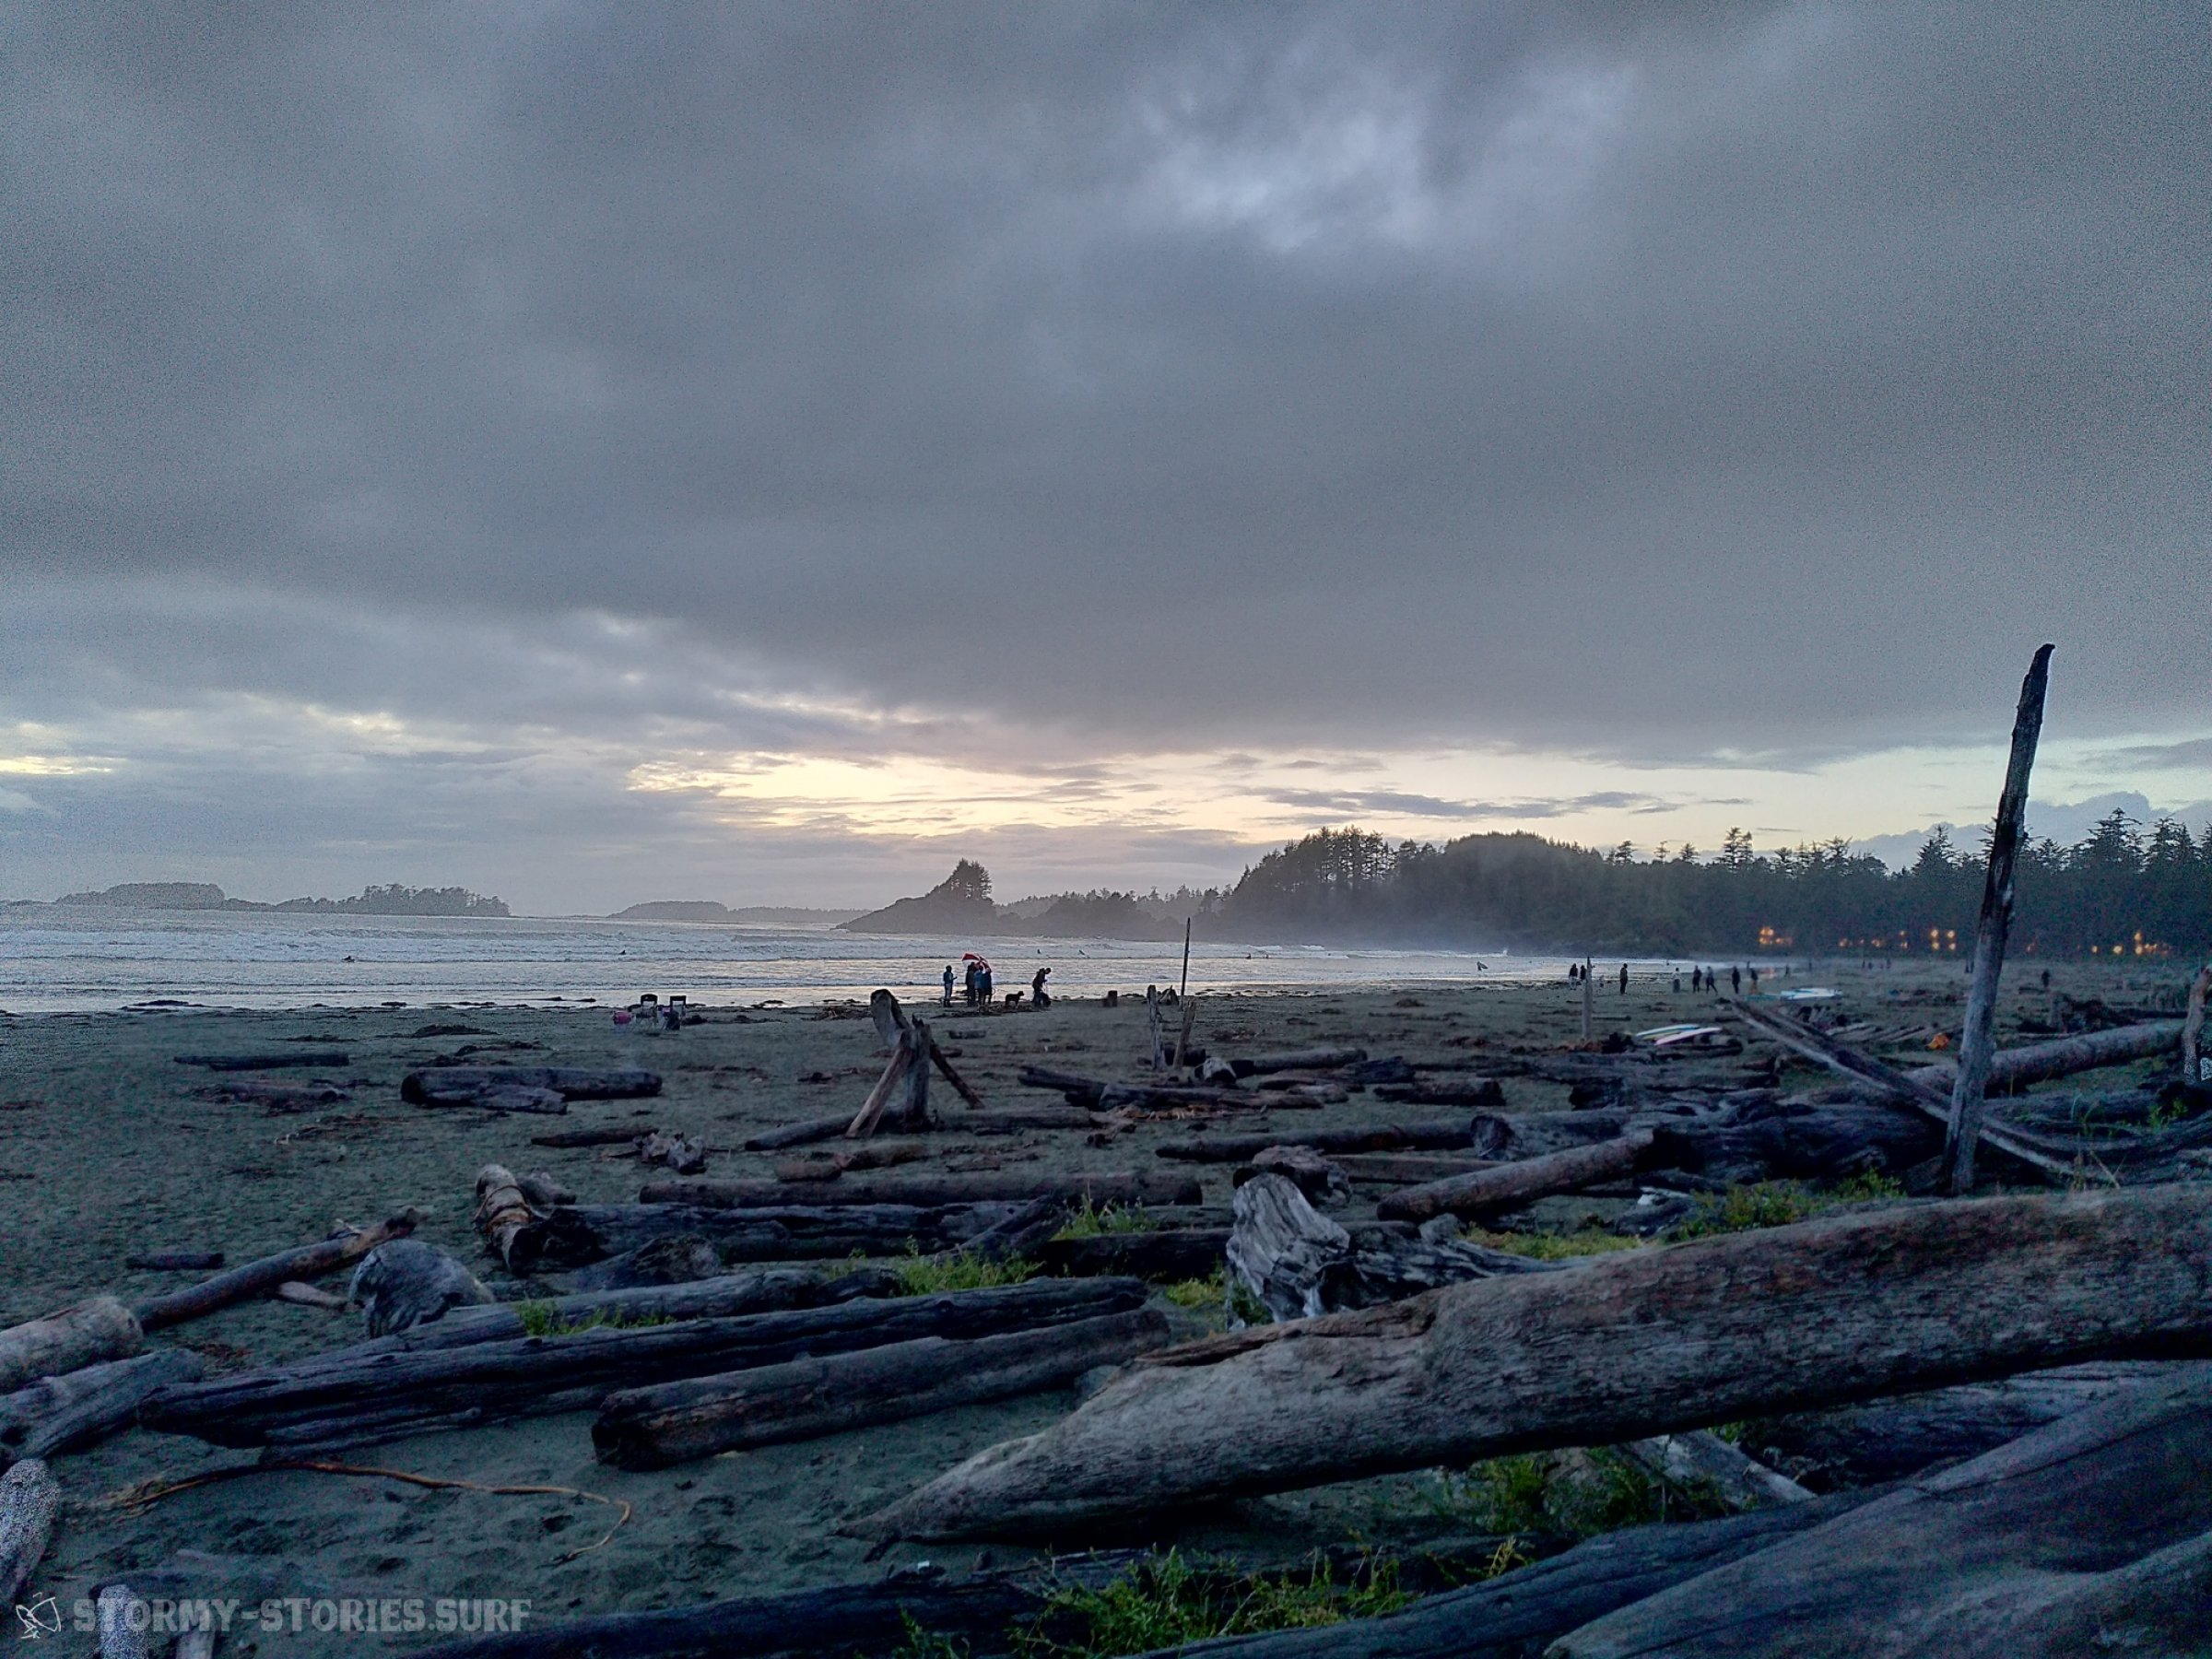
pixel 41 1616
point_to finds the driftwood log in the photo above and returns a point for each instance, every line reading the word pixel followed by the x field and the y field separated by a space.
pixel 28 1502
pixel 274 1061
pixel 258 1278
pixel 1323 1181
pixel 606 1135
pixel 1313 1059
pixel 1299 1263
pixel 1845 1308
pixel 75 1409
pixel 353 1397
pixel 2064 1057
pixel 123 1619
pixel 84 1334
pixel 1510 1186
pixel 1517 1614
pixel 680 1260
pixel 1483 1132
pixel 1099 1188
pixel 2093 1535
pixel 1479 1091
pixel 1164 1257
pixel 570 1082
pixel 405 1283
pixel 678 1422
pixel 575 1235
pixel 175 1261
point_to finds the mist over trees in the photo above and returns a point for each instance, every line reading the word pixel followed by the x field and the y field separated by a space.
pixel 2124 890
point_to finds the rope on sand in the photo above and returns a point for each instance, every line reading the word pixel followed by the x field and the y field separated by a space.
pixel 145 1494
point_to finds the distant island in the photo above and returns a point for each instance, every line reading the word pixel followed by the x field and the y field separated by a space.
pixel 394 899
pixel 961 905
pixel 708 909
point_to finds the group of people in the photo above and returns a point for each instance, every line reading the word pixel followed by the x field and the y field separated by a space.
pixel 978 990
pixel 1700 979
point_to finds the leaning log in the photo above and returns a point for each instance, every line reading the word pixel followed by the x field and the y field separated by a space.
pixel 29 1502
pixel 84 1334
pixel 1647 1342
pixel 679 1422
pixel 2019 1552
pixel 258 1278
pixel 571 1082
pixel 357 1396
pixel 1483 1132
pixel 1101 1187
pixel 1515 1615
pixel 71 1411
pixel 1509 1185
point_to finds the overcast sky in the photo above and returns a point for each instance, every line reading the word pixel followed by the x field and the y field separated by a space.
pixel 762 453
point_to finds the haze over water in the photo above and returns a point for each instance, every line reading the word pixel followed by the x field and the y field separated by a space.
pixel 55 961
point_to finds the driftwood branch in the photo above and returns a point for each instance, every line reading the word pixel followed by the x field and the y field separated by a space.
pixel 76 1336
pixel 1510 1186
pixel 72 1410
pixel 1101 1187
pixel 1647 1342
pixel 28 1502
pixel 258 1278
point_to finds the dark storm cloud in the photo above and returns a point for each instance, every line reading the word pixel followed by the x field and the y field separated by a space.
pixel 1537 374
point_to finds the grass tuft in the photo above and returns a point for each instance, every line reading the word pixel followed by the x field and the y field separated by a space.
pixel 541 1319
pixel 1197 1293
pixel 1552 1247
pixel 921 1275
pixel 1090 1223
pixel 1166 1600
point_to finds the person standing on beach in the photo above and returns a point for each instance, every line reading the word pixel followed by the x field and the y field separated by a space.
pixel 1038 997
pixel 1624 978
pixel 1736 981
pixel 983 983
pixel 948 985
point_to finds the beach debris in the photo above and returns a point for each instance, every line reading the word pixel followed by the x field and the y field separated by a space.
pixel 406 1283
pixel 174 1261
pixel 681 1153
pixel 802 1399
pixel 281 1098
pixel 870 1155
pixel 123 1617
pixel 1100 1187
pixel 1097 1094
pixel 606 1135
pixel 462 1085
pixel 75 1409
pixel 2092 1535
pixel 346 1244
pixel 309 1296
pixel 276 1061
pixel 383 1390
pixel 1475 1091
pixel 685 1257
pixel 1299 1263
pixel 29 1498
pixel 1310 1171
pixel 1510 1186
pixel 1854 1306
pixel 82 1334
pixel 1483 1134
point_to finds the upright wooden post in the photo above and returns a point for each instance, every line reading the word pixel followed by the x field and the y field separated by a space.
pixel 1183 992
pixel 2193 1029
pixel 1589 1006
pixel 1977 1042
pixel 1160 1036
pixel 1183 1039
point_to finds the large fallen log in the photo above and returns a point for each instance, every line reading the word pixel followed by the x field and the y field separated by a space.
pixel 1509 1185
pixel 258 1278
pixel 1098 1187
pixel 1163 1257
pixel 1479 1091
pixel 1300 1264
pixel 770 1291
pixel 1517 1615
pixel 573 1235
pixel 678 1422
pixel 28 1502
pixel 570 1082
pixel 1646 1342
pixel 2038 1549
pixel 1483 1132
pixel 72 1410
pixel 1098 1094
pixel 1312 1059
pixel 2064 1057
pixel 84 1334
pixel 355 1397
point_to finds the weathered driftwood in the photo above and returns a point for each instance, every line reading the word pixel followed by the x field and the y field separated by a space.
pixel 1699 1460
pixel 1509 1185
pixel 2049 1545
pixel 680 1153
pixel 274 1061
pixel 28 1502
pixel 606 1135
pixel 123 1619
pixel 575 1235
pixel 1312 1059
pixel 279 1098
pixel 72 1410
pixel 309 1296
pixel 1407 1168
pixel 507 1097
pixel 1098 1094
pixel 870 1155
pixel 1517 1615
pixel 1647 1342
pixel 83 1335
pixel 1889 1439
pixel 175 1261
pixel 684 1259
pixel 406 1283
pixel 1979 1036
pixel 357 1396
pixel 2064 1057
pixel 1166 1256
pixel 570 1082
pixel 1299 1263
pixel 258 1278
pixel 769 1291
pixel 905 1078
pixel 678 1422
pixel 1311 1172
pixel 2193 1029
pixel 1479 1091
pixel 892 1022
pixel 1100 1187
pixel 197 1641
pixel 797 1134
pixel 1483 1132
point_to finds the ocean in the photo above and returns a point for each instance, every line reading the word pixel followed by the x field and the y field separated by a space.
pixel 56 959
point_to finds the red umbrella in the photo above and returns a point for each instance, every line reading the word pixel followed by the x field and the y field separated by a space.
pixel 969 955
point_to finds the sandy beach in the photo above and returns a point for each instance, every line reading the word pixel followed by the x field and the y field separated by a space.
pixel 109 1147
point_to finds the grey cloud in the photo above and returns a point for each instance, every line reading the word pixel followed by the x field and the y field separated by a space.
pixel 1422 805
